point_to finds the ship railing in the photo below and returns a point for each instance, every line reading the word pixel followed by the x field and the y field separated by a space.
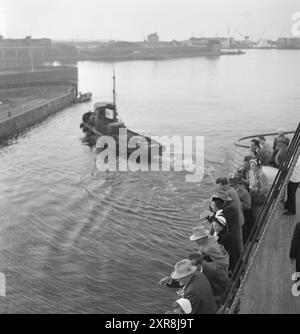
pixel 242 147
pixel 231 299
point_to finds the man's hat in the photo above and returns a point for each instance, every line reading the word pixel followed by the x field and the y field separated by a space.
pixel 182 269
pixel 199 232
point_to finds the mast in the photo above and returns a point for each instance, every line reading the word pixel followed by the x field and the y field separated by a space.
pixel 114 90
pixel 228 40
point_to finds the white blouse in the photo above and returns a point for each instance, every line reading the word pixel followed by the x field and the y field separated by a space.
pixel 296 173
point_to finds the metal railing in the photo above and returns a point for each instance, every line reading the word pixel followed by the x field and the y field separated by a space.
pixel 242 149
pixel 233 293
pixel 238 143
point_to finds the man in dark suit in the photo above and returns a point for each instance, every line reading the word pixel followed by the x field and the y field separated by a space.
pixel 295 248
pixel 194 286
pixel 216 277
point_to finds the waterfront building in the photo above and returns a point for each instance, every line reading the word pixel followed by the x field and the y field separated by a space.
pixel 24 53
pixel 288 43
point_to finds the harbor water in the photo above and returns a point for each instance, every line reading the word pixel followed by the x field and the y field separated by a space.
pixel 75 240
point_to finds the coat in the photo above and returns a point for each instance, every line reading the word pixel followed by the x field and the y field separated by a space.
pixel 216 277
pixel 263 156
pixel 211 251
pixel 232 218
pixel 237 203
pixel 230 244
pixel 199 292
pixel 295 247
pixel 280 157
pixel 245 198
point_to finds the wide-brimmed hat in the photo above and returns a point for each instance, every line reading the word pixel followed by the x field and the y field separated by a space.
pixel 185 304
pixel 182 269
pixel 223 195
pixel 199 232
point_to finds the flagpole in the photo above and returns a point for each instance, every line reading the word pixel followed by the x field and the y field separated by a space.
pixel 114 90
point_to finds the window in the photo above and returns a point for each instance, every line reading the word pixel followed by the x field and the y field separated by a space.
pixel 109 114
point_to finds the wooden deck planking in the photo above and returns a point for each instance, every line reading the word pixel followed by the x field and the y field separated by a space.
pixel 268 289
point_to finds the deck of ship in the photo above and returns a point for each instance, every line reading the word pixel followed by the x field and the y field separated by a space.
pixel 268 289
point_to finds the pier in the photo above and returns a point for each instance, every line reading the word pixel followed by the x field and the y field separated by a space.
pixel 28 97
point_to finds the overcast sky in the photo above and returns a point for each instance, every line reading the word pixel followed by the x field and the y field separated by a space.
pixel 135 19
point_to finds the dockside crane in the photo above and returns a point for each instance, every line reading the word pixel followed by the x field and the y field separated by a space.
pixel 245 36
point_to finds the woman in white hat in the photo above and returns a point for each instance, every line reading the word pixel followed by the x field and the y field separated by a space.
pixel 184 305
pixel 181 306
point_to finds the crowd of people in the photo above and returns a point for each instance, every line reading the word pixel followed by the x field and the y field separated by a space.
pixel 225 227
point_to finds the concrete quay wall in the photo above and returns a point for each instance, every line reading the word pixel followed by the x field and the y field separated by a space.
pixel 44 91
pixel 13 125
pixel 44 76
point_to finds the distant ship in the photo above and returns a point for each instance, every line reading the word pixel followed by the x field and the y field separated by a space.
pixel 86 97
pixel 117 51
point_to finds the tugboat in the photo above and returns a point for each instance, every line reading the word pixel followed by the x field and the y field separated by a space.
pixel 104 121
pixel 86 97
